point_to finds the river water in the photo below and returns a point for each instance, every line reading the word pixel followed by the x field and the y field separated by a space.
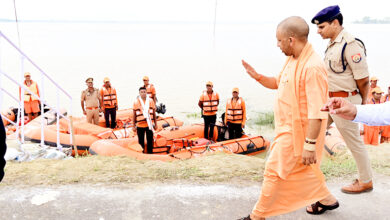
pixel 178 58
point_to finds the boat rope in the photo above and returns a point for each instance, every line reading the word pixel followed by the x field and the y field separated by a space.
pixel 207 148
pixel 172 155
pixel 250 140
pixel 225 147
pixel 114 134
pixel 167 122
pixel 263 140
pixel 238 143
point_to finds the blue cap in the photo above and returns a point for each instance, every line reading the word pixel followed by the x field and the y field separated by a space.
pixel 326 14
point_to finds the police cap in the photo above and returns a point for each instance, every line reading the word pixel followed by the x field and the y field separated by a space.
pixel 326 14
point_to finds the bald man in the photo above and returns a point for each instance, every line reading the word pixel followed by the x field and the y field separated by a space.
pixel 292 177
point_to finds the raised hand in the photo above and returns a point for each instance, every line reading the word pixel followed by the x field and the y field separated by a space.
pixel 250 70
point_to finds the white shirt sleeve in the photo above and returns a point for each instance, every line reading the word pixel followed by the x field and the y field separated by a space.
pixel 373 114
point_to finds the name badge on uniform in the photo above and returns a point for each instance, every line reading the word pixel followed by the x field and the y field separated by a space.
pixel 356 58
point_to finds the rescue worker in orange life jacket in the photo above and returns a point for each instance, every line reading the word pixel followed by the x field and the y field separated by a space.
pixel 150 90
pixel 235 115
pixel 371 133
pixel 208 102
pixel 31 103
pixel 373 85
pixel 110 103
pixel 385 136
pixel 144 119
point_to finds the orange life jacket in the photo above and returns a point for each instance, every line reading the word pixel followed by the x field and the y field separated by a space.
pixel 210 105
pixel 371 133
pixel 385 98
pixel 139 117
pixel 33 88
pixel 149 90
pixel 234 114
pixel 372 101
pixel 109 97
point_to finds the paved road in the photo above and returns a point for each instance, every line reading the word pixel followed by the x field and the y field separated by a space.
pixel 169 201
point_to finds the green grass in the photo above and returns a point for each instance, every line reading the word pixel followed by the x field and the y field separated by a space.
pixel 265 119
pixel 218 167
pixel 343 164
pixel 339 166
pixel 193 115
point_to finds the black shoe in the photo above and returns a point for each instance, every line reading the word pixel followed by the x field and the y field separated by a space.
pixel 245 218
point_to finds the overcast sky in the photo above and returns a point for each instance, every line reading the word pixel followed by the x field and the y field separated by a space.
pixel 186 10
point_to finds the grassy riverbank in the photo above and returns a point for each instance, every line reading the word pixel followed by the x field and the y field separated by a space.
pixel 215 168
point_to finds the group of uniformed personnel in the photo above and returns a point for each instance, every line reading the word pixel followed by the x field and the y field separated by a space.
pixel 376 134
pixel 105 100
pixel 235 112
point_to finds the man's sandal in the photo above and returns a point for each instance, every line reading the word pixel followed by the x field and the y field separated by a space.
pixel 323 207
pixel 245 218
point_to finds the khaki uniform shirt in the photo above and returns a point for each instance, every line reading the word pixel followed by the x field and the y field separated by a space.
pixel 354 58
pixel 91 98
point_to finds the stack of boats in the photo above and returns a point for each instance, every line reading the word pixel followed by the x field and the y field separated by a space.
pixel 172 140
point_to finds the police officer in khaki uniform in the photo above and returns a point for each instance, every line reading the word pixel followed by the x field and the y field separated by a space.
pixel 92 101
pixel 345 60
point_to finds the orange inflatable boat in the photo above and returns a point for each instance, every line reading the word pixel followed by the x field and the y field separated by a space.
pixel 179 143
pixel 334 142
pixel 10 115
pixel 85 133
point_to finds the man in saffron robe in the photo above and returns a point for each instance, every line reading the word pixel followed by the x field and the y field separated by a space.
pixel 292 177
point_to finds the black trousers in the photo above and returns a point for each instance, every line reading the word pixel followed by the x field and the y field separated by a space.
pixel 209 122
pixel 107 113
pixel 149 138
pixel 3 148
pixel 235 130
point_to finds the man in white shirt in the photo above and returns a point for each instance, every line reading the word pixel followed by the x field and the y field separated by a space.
pixel 367 114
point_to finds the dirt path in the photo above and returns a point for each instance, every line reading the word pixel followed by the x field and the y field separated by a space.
pixel 172 201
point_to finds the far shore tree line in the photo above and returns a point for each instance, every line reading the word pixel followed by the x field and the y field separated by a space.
pixel 369 20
